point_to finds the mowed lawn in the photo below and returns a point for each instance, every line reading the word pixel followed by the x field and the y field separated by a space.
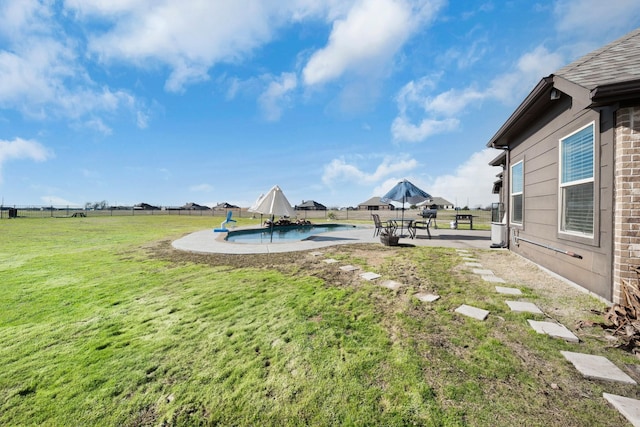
pixel 96 330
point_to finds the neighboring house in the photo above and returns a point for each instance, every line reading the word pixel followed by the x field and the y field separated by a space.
pixel 437 203
pixel 374 204
pixel 571 170
pixel 146 207
pixel 194 207
pixel 225 205
pixel 310 205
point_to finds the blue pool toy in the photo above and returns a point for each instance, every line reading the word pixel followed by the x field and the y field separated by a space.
pixel 223 227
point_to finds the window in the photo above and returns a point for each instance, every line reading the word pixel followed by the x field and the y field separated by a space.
pixel 516 193
pixel 577 182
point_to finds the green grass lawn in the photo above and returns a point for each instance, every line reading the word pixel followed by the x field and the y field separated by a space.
pixel 97 330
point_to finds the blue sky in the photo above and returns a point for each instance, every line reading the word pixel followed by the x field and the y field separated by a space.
pixel 175 101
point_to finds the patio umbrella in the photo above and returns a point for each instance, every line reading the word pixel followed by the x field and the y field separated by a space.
pixel 405 191
pixel 273 203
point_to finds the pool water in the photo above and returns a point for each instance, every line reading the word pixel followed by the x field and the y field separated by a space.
pixel 283 234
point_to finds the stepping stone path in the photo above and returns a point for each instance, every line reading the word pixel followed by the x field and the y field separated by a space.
pixel 525 307
pixel 597 367
pixel 629 408
pixel 554 330
pixel 370 276
pixel 508 291
pixel 391 284
pixel 476 313
pixel 427 297
pixel 492 278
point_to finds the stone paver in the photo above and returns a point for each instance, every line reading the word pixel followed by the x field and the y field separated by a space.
pixel 554 330
pixel 482 271
pixel 597 367
pixel 508 291
pixel 525 307
pixel 316 253
pixel 473 264
pixel 391 284
pixel 492 278
pixel 427 297
pixel 474 312
pixel 470 259
pixel 370 276
pixel 629 408
pixel 349 268
pixel 330 261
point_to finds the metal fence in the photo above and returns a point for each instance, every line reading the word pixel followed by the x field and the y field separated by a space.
pixel 444 217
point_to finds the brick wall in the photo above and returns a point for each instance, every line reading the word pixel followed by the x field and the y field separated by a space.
pixel 626 244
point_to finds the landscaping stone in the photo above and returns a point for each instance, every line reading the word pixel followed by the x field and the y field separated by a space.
pixel 370 276
pixel 330 261
pixel 508 291
pixel 427 297
pixel 492 278
pixel 554 330
pixel 526 307
pixel 349 268
pixel 482 272
pixel 597 367
pixel 473 264
pixel 474 312
pixel 391 284
pixel 629 408
pixel 316 253
pixel 470 259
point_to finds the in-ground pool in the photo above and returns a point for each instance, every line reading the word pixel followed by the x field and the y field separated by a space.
pixel 283 233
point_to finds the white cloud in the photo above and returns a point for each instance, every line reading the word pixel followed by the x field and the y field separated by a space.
pixel 19 149
pixel 594 18
pixel 404 130
pixel 40 71
pixel 440 113
pixel 470 183
pixel 58 201
pixel 276 96
pixel 367 38
pixel 339 171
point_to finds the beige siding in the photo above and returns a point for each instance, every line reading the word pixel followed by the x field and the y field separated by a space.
pixel 539 150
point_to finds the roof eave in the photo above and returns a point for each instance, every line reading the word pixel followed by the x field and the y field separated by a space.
pixel 500 139
pixel 615 92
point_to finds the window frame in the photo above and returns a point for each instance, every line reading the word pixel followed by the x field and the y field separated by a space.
pixel 513 194
pixel 572 234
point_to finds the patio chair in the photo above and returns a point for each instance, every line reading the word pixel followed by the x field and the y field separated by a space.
pixel 421 225
pixel 378 224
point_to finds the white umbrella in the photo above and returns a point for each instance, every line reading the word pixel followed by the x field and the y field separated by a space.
pixel 273 203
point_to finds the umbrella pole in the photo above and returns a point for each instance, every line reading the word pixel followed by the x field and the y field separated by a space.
pixel 272 218
pixel 402 220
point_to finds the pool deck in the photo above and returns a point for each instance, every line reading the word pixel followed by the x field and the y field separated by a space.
pixel 208 241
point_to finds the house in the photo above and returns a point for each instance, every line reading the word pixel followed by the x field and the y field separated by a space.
pixel 225 205
pixel 570 185
pixel 374 204
pixel 145 207
pixel 194 207
pixel 437 203
pixel 310 205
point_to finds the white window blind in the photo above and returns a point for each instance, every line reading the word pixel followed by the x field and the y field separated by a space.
pixel 577 181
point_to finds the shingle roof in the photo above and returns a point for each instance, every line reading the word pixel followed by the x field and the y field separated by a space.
pixel 618 61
